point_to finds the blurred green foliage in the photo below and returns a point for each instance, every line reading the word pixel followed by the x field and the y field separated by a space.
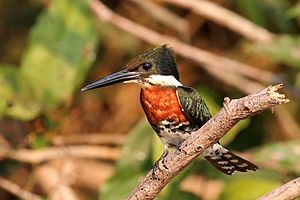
pixel 133 165
pixel 271 14
pixel 282 156
pixel 39 142
pixel 59 55
pixel 283 49
pixel 248 188
pixel 294 11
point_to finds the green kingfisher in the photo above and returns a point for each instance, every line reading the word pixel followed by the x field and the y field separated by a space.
pixel 173 110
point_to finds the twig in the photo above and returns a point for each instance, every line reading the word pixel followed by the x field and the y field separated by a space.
pixel 55 183
pixel 37 156
pixel 205 58
pixel 94 138
pixel 226 18
pixel 236 80
pixel 232 112
pixel 17 190
pixel 166 17
pixel 88 175
pixel 288 191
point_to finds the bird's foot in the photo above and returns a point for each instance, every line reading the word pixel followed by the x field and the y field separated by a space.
pixel 155 167
pixel 178 147
pixel 157 163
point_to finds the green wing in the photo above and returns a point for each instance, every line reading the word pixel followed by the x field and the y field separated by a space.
pixel 193 106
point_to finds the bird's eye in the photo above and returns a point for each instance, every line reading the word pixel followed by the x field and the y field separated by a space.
pixel 147 66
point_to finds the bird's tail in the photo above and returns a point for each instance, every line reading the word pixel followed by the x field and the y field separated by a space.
pixel 226 161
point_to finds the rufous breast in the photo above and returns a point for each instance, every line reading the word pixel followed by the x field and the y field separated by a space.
pixel 161 103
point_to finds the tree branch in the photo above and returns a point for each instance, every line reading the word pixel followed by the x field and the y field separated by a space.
pixel 15 189
pixel 57 183
pixel 288 191
pixel 226 18
pixel 91 138
pixel 82 151
pixel 166 17
pixel 232 112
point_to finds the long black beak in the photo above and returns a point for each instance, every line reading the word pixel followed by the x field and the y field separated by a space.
pixel 117 77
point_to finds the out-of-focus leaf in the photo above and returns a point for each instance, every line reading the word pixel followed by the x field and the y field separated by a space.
pixel 9 84
pixel 39 142
pixel 294 11
pixel 174 192
pixel 285 49
pixel 157 148
pixel 297 83
pixel 267 13
pixel 136 150
pixel 60 53
pixel 248 188
pixel 11 102
pixel 283 156
pixel 232 133
pixel 253 10
pixel 134 163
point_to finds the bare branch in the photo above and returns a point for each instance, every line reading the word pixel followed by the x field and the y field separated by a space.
pixel 205 58
pixel 232 112
pixel 87 173
pixel 59 178
pixel 288 191
pixel 91 138
pixel 166 17
pixel 226 18
pixel 235 80
pixel 17 190
pixel 55 183
pixel 37 156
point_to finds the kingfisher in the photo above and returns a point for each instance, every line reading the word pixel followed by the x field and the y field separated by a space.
pixel 173 110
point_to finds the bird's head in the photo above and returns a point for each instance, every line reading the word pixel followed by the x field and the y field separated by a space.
pixel 154 67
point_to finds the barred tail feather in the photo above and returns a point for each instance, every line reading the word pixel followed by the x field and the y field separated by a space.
pixel 226 161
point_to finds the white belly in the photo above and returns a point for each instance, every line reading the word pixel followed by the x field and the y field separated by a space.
pixel 171 138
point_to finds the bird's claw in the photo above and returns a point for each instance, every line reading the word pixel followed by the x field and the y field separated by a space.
pixel 180 144
pixel 155 167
